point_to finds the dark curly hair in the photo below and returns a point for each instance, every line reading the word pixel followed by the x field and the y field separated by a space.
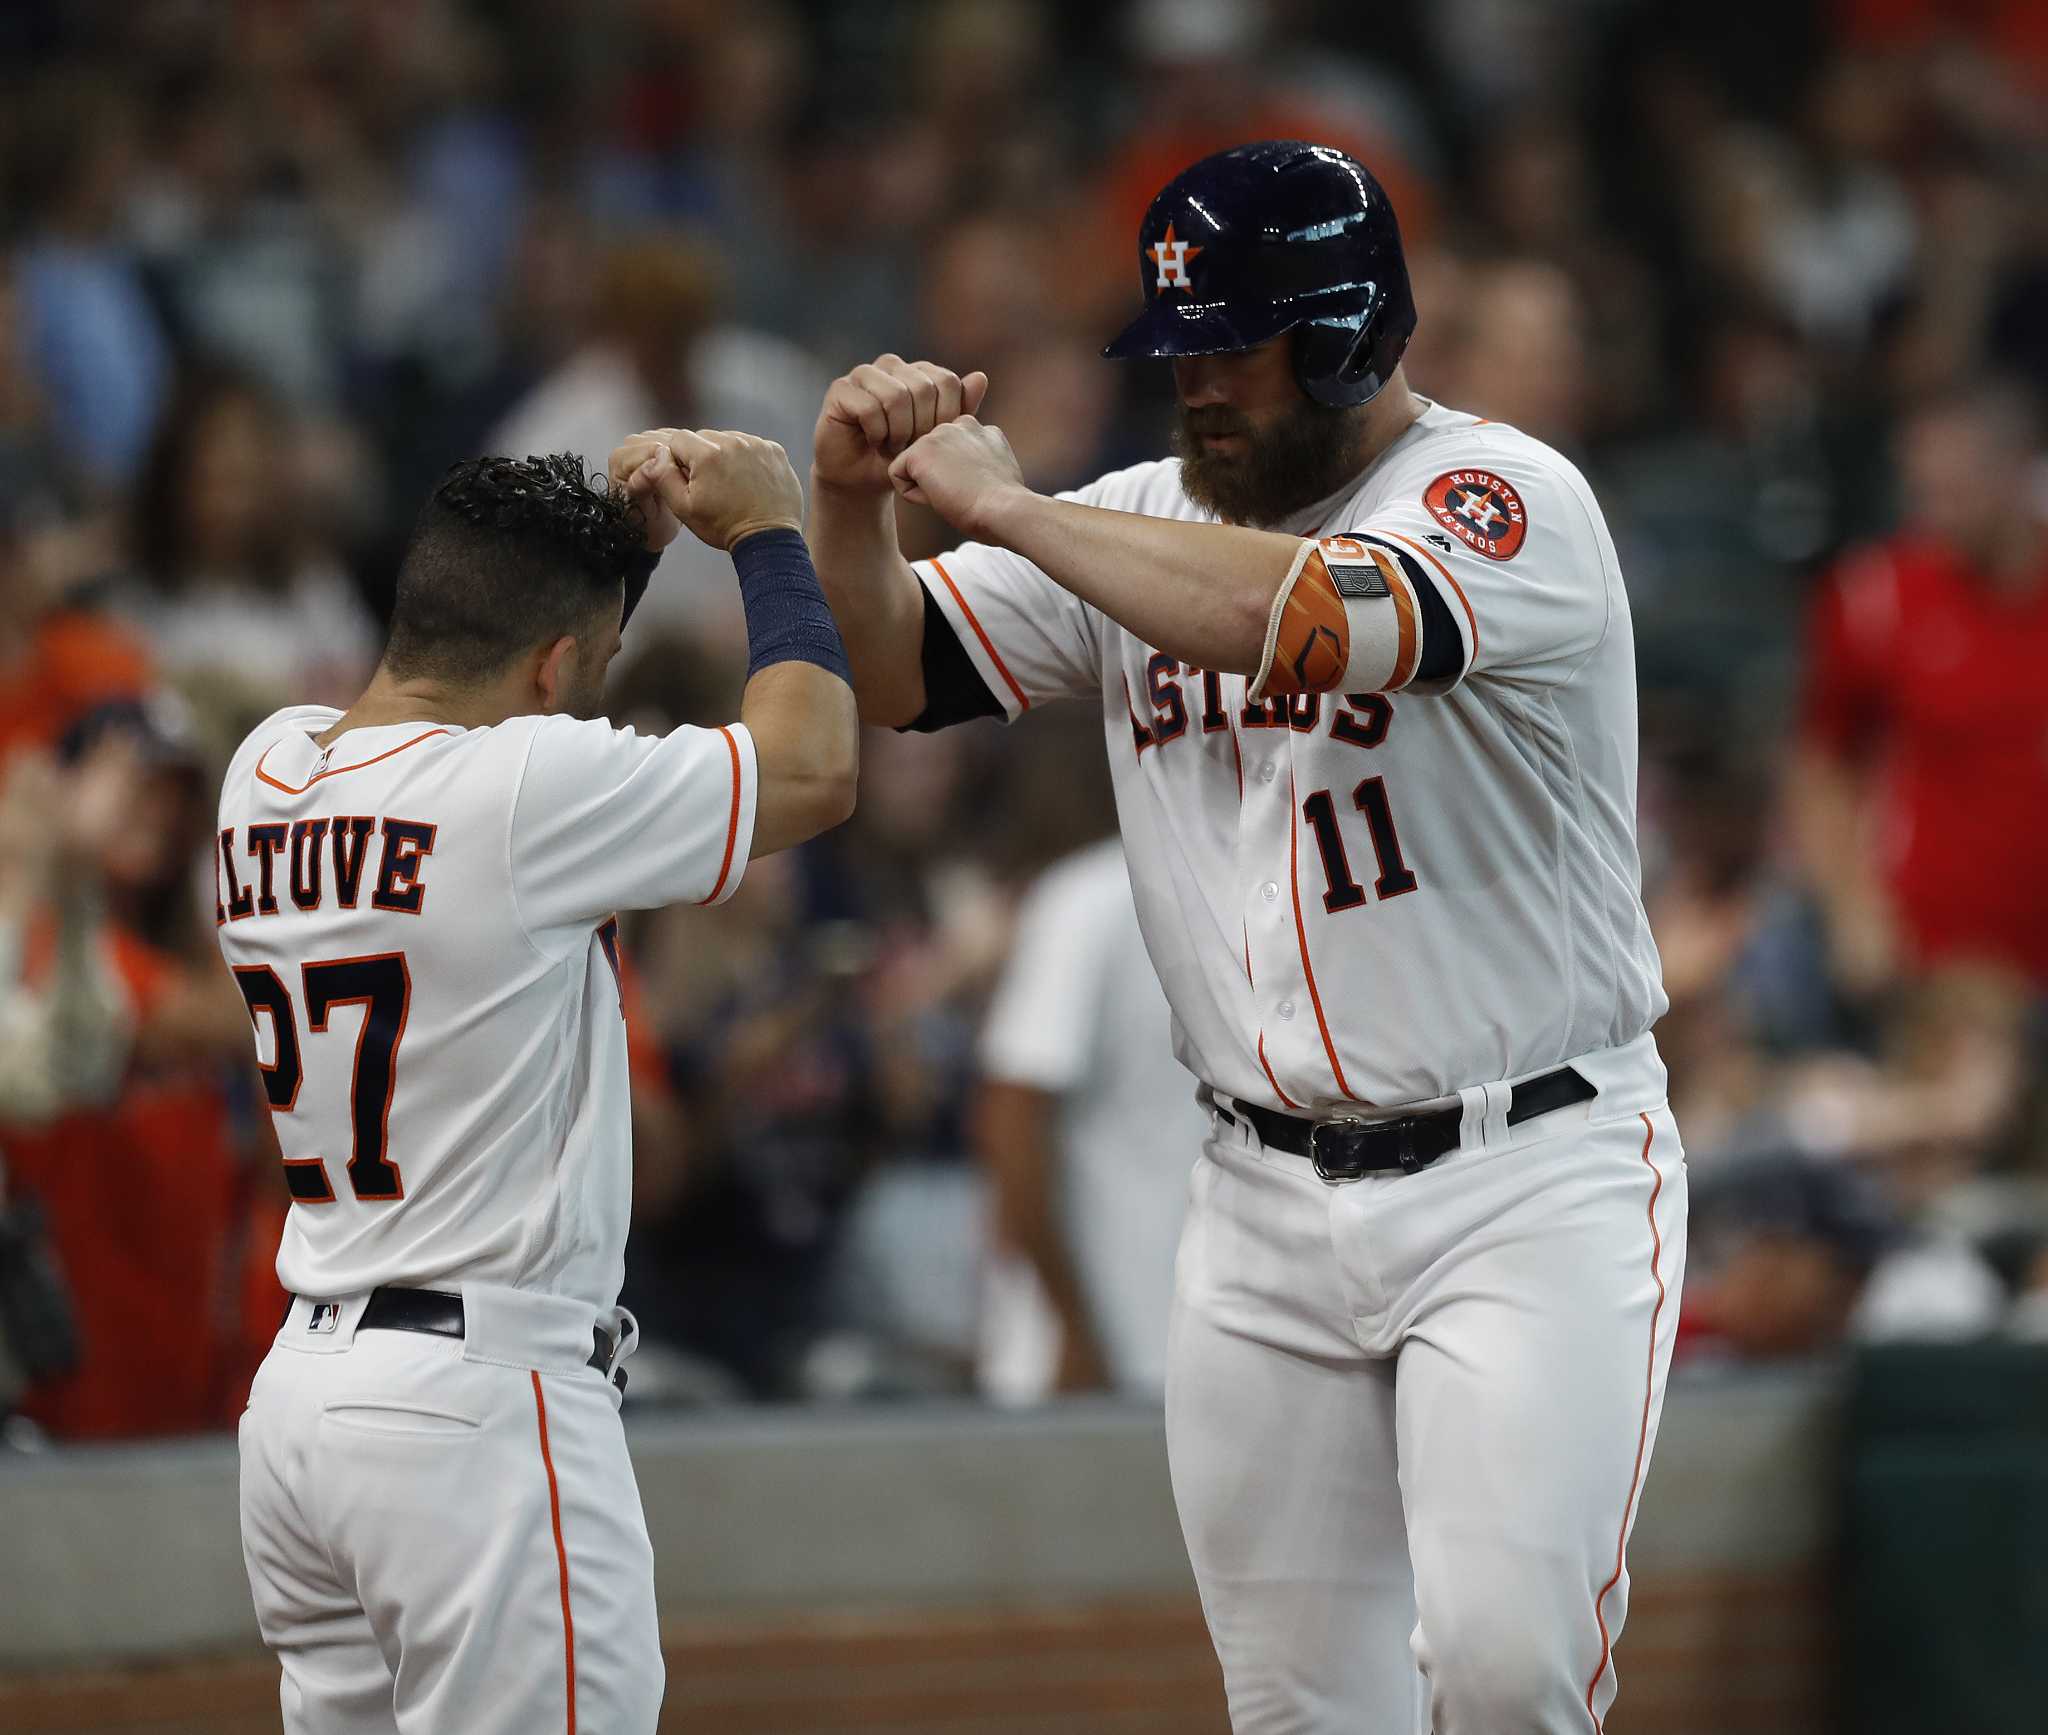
pixel 510 553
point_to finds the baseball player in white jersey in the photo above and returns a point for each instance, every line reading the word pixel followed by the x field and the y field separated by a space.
pixel 1083 1124
pixel 419 900
pixel 1368 689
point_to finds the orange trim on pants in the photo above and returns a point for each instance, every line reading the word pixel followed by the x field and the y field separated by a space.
pixel 1642 1433
pixel 540 1410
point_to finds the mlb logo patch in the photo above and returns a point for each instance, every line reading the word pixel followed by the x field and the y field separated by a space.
pixel 326 1316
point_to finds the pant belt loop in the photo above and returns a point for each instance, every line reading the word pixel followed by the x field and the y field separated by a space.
pixel 1485 1123
pixel 1235 1121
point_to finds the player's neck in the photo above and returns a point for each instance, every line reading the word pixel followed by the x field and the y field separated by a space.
pixel 1390 415
pixel 390 699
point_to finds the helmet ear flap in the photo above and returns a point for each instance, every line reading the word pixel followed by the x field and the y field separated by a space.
pixel 1329 356
pixel 1347 360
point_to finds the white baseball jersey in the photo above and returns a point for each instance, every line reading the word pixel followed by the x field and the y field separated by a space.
pixel 423 921
pixel 1376 897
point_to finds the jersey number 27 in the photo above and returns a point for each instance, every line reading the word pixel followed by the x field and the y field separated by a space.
pixel 382 986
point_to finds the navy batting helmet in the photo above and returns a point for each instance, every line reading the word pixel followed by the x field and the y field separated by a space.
pixel 1269 238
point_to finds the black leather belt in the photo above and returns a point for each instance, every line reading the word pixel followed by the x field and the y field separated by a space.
pixel 439 1314
pixel 1346 1149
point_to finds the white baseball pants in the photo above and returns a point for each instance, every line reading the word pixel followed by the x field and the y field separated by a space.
pixel 1409 1419
pixel 445 1534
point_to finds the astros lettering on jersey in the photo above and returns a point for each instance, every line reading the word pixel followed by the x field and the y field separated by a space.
pixel 1375 897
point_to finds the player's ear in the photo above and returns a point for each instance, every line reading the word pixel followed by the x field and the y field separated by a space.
pixel 553 677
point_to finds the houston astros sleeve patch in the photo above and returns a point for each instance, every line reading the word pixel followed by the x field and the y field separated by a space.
pixel 1481 510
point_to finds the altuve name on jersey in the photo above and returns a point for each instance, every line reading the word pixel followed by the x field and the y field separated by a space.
pixel 310 864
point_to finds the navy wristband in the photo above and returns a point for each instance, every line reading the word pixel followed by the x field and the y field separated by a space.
pixel 787 617
pixel 638 571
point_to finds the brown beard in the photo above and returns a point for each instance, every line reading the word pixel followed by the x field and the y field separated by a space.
pixel 1305 454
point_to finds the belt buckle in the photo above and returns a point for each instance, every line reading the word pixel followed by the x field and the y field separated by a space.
pixel 1325 1172
pixel 1412 1160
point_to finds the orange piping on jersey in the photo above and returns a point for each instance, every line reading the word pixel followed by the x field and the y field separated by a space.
pixel 732 822
pixel 1248 958
pixel 1301 935
pixel 1270 1079
pixel 540 1410
pixel 1470 619
pixel 263 776
pixel 1407 641
pixel 1642 1432
pixel 994 656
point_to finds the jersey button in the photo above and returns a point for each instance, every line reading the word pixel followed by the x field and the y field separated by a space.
pixel 1268 771
pixel 1269 891
pixel 1287 1009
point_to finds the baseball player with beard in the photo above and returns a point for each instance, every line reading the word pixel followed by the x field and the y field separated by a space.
pixel 1368 688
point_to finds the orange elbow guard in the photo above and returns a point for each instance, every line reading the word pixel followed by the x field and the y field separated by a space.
pixel 1308 636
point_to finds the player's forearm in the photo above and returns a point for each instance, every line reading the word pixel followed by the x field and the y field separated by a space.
pixel 1013 1127
pixel 86 1017
pixel 874 595
pixel 798 706
pixel 1828 829
pixel 1201 592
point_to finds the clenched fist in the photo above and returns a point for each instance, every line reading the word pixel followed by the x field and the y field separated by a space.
pixel 962 470
pixel 634 467
pixel 873 414
pixel 722 485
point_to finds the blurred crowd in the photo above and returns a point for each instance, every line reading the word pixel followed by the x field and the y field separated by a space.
pixel 1775 275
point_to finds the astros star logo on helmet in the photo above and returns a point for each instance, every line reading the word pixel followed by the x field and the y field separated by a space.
pixel 1172 257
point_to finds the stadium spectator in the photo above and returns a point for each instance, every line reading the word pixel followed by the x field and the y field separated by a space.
pixel 32 468
pixel 1920 789
pixel 1521 354
pixel 775 1073
pixel 995 294
pixel 237 591
pixel 57 660
pixel 63 1028
pixel 658 351
pixel 93 337
pixel 171 1323
pixel 248 270
pixel 1793 1256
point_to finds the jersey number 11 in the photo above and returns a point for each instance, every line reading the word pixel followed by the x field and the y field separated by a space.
pixel 1345 893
